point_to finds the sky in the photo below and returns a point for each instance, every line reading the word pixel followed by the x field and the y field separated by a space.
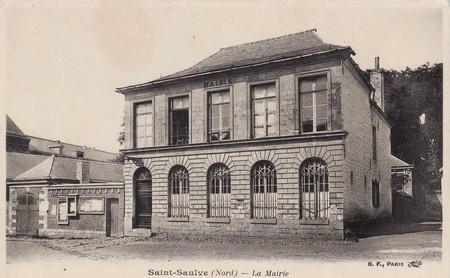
pixel 63 60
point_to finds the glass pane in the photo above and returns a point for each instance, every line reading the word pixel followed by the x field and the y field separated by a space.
pixel 140 142
pixel 225 135
pixel 215 123
pixel 321 83
pixel 259 106
pixel 307 125
pixel 226 96
pixel 321 125
pixel 148 141
pixel 140 108
pixel 215 98
pixel 321 98
pixel 149 130
pixel 225 122
pixel 140 120
pixel 259 120
pixel 258 92
pixel 306 85
pixel 259 132
pixel 215 111
pixel 140 131
pixel 180 102
pixel 271 131
pixel 271 118
pixel 306 100
pixel 271 90
pixel 321 111
pixel 149 119
pixel 148 108
pixel 306 113
pixel 225 109
pixel 271 105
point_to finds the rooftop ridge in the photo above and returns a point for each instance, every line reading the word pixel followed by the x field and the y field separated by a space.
pixel 271 39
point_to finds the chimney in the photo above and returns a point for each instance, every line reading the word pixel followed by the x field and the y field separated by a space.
pixel 377 81
pixel 83 171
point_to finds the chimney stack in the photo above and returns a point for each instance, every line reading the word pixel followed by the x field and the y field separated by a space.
pixel 83 171
pixel 377 82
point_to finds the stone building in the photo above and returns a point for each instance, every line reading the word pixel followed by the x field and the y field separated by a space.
pixel 282 136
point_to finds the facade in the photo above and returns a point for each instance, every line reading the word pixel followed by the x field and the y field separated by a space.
pixel 67 197
pixel 276 137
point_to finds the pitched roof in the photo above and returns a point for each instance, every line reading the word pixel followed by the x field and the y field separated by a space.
pixel 12 128
pixel 397 162
pixel 62 168
pixel 254 53
pixel 17 163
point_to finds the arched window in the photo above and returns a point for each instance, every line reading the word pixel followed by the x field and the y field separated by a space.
pixel 315 191
pixel 264 190
pixel 219 191
pixel 143 198
pixel 178 192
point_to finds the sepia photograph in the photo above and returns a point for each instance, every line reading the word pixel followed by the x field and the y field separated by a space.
pixel 224 139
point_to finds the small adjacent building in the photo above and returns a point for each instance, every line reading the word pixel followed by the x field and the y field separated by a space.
pixel 283 136
pixel 67 197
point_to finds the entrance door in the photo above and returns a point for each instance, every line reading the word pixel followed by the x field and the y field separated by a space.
pixel 143 199
pixel 113 217
pixel 27 215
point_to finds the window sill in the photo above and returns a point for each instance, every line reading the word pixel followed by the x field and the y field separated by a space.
pixel 178 219
pixel 309 221
pixel 218 220
pixel 263 221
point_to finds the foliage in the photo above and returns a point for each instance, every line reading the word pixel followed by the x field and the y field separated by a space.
pixel 409 94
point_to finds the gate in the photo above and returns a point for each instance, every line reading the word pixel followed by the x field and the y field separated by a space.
pixel 27 215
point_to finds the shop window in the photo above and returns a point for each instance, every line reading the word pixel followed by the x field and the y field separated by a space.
pixel 264 110
pixel 263 191
pixel 219 191
pixel 315 190
pixel 178 192
pixel 179 118
pixel 219 115
pixel 375 193
pixel 313 104
pixel 143 125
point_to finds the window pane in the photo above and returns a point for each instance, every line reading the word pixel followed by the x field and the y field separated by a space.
pixel 307 114
pixel 258 92
pixel 215 98
pixel 148 141
pixel 271 131
pixel 140 120
pixel 225 109
pixel 321 98
pixel 321 124
pixel 140 142
pixel 214 136
pixel 215 123
pixel 140 131
pixel 140 109
pixel 225 96
pixel 180 102
pixel 306 85
pixel 321 111
pixel 321 83
pixel 259 120
pixel 307 125
pixel 271 105
pixel 149 119
pixel 271 118
pixel 214 111
pixel 225 135
pixel 306 100
pixel 259 132
pixel 259 106
pixel 271 90
pixel 225 122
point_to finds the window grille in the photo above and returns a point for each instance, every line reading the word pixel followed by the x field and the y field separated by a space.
pixel 315 191
pixel 264 191
pixel 179 192
pixel 219 191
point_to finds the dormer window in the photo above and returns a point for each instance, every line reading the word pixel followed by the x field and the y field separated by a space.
pixel 313 104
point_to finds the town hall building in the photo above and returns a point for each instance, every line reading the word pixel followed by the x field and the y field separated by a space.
pixel 283 136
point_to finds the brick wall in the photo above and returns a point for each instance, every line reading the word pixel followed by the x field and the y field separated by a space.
pixel 287 158
pixel 358 118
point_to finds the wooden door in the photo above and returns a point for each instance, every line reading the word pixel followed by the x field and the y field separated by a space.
pixel 113 218
pixel 27 215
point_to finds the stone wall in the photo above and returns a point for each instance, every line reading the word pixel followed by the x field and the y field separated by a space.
pixel 360 166
pixel 287 157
